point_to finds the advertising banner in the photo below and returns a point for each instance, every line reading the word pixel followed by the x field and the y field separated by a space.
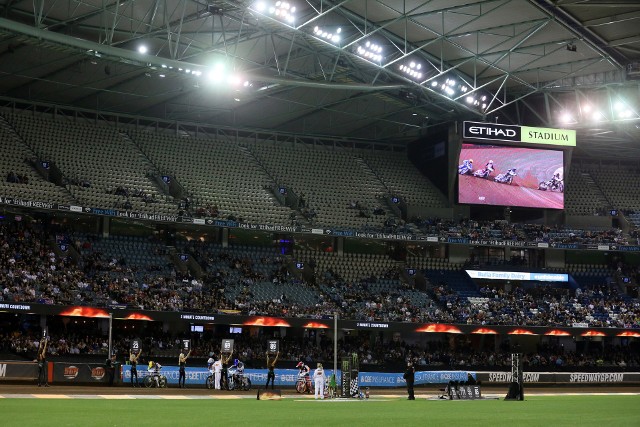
pixel 518 275
pixel 18 371
pixel 79 373
pixel 490 134
pixel 526 134
pixel 288 377
pixel 563 377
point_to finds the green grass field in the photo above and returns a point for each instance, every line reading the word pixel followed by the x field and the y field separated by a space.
pixel 609 411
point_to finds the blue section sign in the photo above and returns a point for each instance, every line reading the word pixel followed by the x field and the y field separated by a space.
pixel 288 377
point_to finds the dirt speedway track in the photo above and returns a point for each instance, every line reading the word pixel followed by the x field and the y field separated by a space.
pixel 115 392
pixel 485 191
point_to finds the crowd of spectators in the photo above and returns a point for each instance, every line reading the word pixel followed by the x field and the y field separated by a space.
pixel 315 346
pixel 32 271
pixel 598 306
pixel 504 230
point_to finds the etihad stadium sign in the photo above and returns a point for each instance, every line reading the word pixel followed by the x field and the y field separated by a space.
pixel 526 134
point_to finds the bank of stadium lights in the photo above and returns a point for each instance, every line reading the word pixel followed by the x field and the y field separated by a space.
pixel 412 70
pixel 478 101
pixel 566 117
pixel 370 51
pixel 329 35
pixel 588 113
pixel 216 75
pixel 281 10
pixel 622 111
pixel 450 87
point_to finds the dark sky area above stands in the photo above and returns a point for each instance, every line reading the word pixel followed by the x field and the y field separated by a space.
pixel 529 61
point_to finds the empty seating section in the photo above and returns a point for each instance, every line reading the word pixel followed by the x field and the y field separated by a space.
pixel 216 173
pixel 96 154
pixel 253 269
pixel 620 184
pixel 329 178
pixel 423 263
pixel 14 158
pixel 350 266
pixel 580 198
pixel 404 180
pixel 140 255
pixel 456 280
pixel 237 178
pixel 588 275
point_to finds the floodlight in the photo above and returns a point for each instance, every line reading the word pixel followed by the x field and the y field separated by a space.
pixel 283 10
pixel 565 118
pixel 411 68
pixel 326 34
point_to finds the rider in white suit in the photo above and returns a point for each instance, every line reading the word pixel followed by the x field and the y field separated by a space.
pixel 217 369
pixel 319 379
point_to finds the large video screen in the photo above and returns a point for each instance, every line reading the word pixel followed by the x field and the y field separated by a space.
pixel 511 176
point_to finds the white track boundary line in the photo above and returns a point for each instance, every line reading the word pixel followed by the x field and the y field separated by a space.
pixel 374 398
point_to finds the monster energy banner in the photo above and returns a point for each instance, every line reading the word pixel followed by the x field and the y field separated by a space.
pixel 210 222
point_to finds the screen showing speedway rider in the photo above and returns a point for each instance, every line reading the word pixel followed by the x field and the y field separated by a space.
pixel 484 173
pixel 466 167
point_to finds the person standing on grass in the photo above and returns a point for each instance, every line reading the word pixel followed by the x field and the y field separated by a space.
pixel 225 364
pixel 319 379
pixel 409 376
pixel 217 371
pixel 42 363
pixel 110 367
pixel 182 363
pixel 271 375
pixel 133 359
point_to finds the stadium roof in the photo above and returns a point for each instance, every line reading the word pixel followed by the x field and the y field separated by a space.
pixel 521 61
